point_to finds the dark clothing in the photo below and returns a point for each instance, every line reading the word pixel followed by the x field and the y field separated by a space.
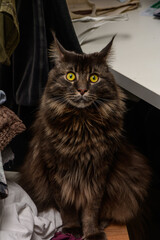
pixel 30 65
pixel 2 97
pixel 24 81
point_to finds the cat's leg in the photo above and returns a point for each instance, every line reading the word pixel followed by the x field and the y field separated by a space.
pixel 103 223
pixel 90 221
pixel 71 221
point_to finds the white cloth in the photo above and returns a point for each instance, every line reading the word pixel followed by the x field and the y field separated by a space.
pixel 19 219
pixel 3 183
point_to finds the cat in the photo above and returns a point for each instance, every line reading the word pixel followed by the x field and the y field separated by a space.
pixel 79 161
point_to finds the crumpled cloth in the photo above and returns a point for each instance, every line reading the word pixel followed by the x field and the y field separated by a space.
pixel 3 183
pixel 10 126
pixel 79 9
pixel 7 155
pixel 20 220
pixel 62 236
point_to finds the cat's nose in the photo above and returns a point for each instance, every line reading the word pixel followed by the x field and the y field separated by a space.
pixel 82 91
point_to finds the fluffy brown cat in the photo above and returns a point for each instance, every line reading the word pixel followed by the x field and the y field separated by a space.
pixel 79 161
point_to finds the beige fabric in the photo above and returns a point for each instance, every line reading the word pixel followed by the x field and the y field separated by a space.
pixel 81 8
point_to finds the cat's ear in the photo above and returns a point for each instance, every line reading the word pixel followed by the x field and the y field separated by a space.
pixel 106 50
pixel 56 50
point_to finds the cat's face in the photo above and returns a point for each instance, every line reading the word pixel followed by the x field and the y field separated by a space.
pixel 81 80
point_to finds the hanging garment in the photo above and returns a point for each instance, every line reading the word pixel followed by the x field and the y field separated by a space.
pixel 9 30
pixel 10 126
pixel 26 78
pixel 30 61
pixel 24 81
pixel 2 97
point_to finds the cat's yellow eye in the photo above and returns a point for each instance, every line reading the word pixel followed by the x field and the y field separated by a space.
pixel 71 76
pixel 94 78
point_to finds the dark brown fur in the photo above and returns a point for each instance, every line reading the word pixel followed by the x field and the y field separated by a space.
pixel 79 161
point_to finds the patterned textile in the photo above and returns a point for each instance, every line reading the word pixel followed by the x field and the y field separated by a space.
pixel 10 126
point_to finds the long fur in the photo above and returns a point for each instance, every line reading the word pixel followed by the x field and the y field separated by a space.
pixel 79 162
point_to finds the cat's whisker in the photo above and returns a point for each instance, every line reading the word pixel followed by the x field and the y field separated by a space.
pixel 70 96
pixel 59 97
pixel 103 99
pixel 106 100
pixel 60 100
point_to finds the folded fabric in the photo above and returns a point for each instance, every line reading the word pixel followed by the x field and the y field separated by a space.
pixel 62 236
pixel 95 8
pixel 10 126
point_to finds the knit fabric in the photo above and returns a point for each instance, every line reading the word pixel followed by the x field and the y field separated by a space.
pixel 10 126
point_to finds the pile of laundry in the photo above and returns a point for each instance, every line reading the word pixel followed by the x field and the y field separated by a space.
pixel 10 126
pixel 19 217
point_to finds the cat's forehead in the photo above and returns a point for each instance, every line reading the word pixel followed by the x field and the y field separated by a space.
pixel 81 62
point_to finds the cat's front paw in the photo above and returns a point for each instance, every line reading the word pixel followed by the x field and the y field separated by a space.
pixel 75 231
pixel 96 236
pixel 103 224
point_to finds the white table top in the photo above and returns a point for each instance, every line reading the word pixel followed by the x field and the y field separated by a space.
pixel 136 59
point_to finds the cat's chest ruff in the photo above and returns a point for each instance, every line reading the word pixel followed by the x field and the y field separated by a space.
pixel 82 148
pixel 79 140
pixel 78 186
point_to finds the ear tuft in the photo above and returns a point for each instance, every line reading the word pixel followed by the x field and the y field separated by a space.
pixel 56 51
pixel 106 50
